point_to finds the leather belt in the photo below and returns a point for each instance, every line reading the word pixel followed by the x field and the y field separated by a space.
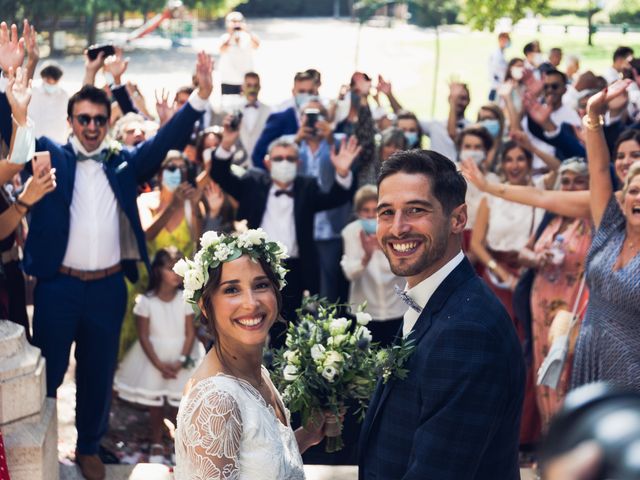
pixel 90 275
pixel 11 255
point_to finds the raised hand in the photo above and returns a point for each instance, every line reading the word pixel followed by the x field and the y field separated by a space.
pixel 456 90
pixel 214 197
pixel 31 43
pixel 343 160
pixel 531 83
pixel 599 103
pixel 540 113
pixel 19 94
pixel 116 65
pixel 204 69
pixel 473 174
pixel 91 67
pixel 229 135
pixel 36 188
pixel 11 48
pixel 383 86
pixel 522 139
pixel 164 109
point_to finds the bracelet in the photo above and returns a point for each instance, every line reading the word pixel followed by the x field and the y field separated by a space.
pixel 23 204
pixel 492 265
pixel 589 125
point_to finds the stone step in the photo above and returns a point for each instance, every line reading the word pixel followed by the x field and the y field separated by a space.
pixel 13 338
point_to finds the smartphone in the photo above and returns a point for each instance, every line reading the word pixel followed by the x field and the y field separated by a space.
pixel 234 124
pixel 41 164
pixel 192 174
pixel 312 115
pixel 94 50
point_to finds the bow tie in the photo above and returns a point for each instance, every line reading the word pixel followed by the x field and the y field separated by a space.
pixel 404 296
pixel 98 157
pixel 284 192
pixel 251 105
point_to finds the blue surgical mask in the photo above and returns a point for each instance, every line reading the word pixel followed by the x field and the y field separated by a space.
pixel 492 126
pixel 412 139
pixel 171 180
pixel 303 98
pixel 369 225
pixel 50 89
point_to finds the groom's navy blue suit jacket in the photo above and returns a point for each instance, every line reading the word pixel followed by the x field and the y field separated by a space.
pixel 457 414
pixel 125 170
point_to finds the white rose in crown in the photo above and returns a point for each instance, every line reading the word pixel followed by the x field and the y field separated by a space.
pixel 333 359
pixel 193 280
pixel 181 267
pixel 317 353
pixel 338 326
pixel 208 239
pixel 363 318
pixel 329 373
pixel 256 236
pixel 290 373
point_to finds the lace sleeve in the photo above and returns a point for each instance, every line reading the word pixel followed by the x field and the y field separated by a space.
pixel 208 437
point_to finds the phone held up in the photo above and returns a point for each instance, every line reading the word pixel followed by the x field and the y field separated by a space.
pixel 41 164
pixel 94 50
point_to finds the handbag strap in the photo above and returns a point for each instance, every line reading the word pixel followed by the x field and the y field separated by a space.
pixel 574 316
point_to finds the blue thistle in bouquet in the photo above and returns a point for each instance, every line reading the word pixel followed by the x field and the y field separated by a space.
pixel 330 360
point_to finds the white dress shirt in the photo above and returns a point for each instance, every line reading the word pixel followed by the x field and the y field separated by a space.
pixel 372 283
pixel 441 141
pixel 423 291
pixel 48 111
pixel 279 221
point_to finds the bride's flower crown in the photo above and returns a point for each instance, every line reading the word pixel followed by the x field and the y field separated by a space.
pixel 217 249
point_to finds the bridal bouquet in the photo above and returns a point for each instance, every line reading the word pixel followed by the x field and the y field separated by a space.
pixel 330 360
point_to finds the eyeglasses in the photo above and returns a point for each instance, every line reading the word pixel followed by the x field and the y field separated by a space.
pixel 98 120
pixel 289 158
pixel 552 86
pixel 173 167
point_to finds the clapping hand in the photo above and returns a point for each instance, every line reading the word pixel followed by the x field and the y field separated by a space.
pixel 116 65
pixel 369 243
pixel 11 48
pixel 343 160
pixel 19 94
pixel 599 103
pixel 204 69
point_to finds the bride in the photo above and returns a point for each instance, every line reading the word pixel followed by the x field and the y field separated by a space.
pixel 232 423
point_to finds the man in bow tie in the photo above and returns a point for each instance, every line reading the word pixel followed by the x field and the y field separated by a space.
pixel 283 202
pixel 456 416
pixel 85 237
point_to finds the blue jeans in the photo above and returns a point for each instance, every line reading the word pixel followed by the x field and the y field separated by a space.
pixel 90 314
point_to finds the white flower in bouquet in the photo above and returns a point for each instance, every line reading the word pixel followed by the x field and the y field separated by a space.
pixel 363 318
pixel 329 373
pixel 338 326
pixel 208 239
pixel 317 353
pixel 193 280
pixel 338 340
pixel 364 332
pixel 187 294
pixel 333 358
pixel 290 373
pixel 181 267
pixel 292 357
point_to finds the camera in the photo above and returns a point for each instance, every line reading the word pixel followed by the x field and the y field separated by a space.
pixel 234 124
pixel 608 415
pixel 313 115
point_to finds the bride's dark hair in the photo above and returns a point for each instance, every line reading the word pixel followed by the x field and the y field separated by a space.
pixel 215 274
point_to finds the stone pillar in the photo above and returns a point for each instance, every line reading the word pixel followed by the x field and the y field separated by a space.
pixel 28 420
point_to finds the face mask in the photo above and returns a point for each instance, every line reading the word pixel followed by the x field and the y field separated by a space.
pixel 508 44
pixel 517 73
pixel 537 59
pixel 303 98
pixel 369 225
pixel 284 171
pixel 492 126
pixel 412 139
pixel 171 180
pixel 477 156
pixel 50 89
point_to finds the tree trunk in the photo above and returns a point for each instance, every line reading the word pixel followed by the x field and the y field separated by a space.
pixel 92 28
pixel 52 31
pixel 121 18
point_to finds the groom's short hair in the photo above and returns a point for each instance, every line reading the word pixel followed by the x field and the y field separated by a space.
pixel 447 183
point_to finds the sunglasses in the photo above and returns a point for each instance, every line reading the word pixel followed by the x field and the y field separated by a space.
pixel 291 159
pixel 98 120
pixel 172 167
pixel 552 86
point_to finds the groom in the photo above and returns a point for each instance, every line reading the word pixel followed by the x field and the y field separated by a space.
pixel 457 414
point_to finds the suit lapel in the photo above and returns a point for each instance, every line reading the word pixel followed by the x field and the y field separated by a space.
pixel 70 159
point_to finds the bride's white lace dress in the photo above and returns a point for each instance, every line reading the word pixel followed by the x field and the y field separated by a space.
pixel 227 431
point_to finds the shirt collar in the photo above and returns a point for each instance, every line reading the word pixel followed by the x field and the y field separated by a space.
pixel 422 292
pixel 78 148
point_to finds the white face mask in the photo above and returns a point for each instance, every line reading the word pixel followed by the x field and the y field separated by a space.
pixel 537 59
pixel 284 171
pixel 517 73
pixel 49 88
pixel 477 156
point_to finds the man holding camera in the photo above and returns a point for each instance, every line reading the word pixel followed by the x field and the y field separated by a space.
pixel 236 53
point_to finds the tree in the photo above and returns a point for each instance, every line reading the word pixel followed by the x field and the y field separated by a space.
pixel 481 14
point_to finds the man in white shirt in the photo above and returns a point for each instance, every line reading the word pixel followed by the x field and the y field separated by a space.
pixel 49 105
pixel 457 413
pixel 621 63
pixel 498 64
pixel 236 53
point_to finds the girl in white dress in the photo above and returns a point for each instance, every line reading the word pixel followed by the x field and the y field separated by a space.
pixel 232 423
pixel 158 365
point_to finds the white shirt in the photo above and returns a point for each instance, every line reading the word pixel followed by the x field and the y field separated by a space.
pixel 279 221
pixel 373 282
pixel 237 59
pixel 423 291
pixel 497 68
pixel 49 111
pixel 441 142
pixel 611 75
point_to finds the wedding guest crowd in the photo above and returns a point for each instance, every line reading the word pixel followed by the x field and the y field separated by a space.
pixel 116 194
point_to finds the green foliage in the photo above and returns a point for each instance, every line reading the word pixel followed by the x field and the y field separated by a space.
pixel 292 8
pixel 628 11
pixel 429 13
pixel 481 14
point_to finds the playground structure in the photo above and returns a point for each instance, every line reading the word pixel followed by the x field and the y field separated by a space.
pixel 174 22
